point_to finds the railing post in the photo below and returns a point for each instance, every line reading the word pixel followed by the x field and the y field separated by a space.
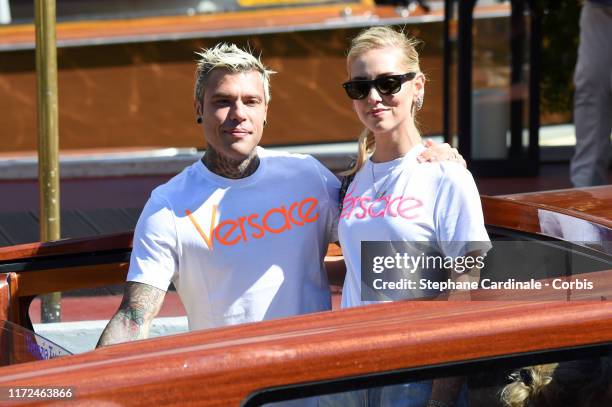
pixel 48 138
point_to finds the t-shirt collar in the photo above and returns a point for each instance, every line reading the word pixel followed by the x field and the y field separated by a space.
pixel 226 182
pixel 409 158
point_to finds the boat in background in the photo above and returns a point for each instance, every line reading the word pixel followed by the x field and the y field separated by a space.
pixel 126 78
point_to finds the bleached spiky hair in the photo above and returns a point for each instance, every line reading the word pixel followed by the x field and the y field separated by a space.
pixel 229 57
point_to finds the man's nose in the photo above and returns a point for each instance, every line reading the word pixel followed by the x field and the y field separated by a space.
pixel 238 112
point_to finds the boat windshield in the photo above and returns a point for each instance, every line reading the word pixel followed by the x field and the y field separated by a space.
pixel 20 345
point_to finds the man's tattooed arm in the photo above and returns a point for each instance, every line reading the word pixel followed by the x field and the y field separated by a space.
pixel 140 304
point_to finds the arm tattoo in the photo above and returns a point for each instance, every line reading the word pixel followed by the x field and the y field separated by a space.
pixel 140 304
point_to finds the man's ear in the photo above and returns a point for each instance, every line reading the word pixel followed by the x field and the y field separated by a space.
pixel 266 113
pixel 197 106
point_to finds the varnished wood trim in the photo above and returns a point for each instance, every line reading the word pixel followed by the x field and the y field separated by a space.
pixel 120 241
pixel 5 296
pixel 13 307
pixel 509 214
pixel 236 361
pixel 505 212
pixel 525 216
pixel 67 246
pixel 71 278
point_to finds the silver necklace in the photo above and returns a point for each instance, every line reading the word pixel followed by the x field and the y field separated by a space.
pixel 383 190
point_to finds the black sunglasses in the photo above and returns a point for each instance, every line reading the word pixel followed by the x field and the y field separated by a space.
pixel 385 85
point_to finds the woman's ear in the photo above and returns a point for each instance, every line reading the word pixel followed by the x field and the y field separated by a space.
pixel 419 85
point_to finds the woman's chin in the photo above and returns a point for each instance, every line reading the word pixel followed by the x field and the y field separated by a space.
pixel 379 127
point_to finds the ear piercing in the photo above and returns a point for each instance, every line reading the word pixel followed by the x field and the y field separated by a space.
pixel 419 102
pixel 265 123
pixel 199 120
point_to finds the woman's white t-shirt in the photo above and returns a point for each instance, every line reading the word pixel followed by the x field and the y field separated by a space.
pixel 403 200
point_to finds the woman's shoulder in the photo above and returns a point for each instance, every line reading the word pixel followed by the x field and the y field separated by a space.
pixel 457 181
pixel 445 175
pixel 445 171
pixel 454 172
pixel 438 169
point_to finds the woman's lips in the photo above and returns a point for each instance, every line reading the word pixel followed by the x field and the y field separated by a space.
pixel 377 112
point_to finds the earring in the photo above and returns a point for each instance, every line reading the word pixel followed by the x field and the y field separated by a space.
pixel 199 120
pixel 265 122
pixel 419 102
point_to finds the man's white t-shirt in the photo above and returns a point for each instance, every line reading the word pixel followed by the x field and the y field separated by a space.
pixel 430 202
pixel 240 250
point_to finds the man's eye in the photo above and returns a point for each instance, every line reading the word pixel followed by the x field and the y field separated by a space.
pixel 221 102
pixel 252 102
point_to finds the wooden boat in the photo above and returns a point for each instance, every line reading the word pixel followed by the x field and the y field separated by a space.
pixel 126 83
pixel 328 352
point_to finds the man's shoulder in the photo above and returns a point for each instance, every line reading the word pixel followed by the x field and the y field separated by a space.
pixel 289 161
pixel 281 154
pixel 180 183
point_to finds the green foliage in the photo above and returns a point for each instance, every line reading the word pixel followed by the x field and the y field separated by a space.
pixel 560 31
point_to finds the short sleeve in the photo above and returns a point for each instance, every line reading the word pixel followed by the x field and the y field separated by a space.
pixel 154 258
pixel 458 214
pixel 332 188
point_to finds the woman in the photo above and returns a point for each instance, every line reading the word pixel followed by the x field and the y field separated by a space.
pixel 391 198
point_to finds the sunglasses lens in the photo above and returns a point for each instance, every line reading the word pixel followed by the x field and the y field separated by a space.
pixel 388 85
pixel 356 90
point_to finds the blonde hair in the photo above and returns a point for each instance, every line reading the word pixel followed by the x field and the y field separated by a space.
pixel 522 390
pixel 376 38
pixel 229 57
pixel 578 383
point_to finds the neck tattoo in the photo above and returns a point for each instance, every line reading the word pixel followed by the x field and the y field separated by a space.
pixel 228 168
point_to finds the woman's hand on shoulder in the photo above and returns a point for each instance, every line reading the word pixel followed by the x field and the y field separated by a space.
pixel 440 152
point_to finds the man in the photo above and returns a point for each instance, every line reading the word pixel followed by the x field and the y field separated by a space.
pixel 242 233
pixel 593 95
